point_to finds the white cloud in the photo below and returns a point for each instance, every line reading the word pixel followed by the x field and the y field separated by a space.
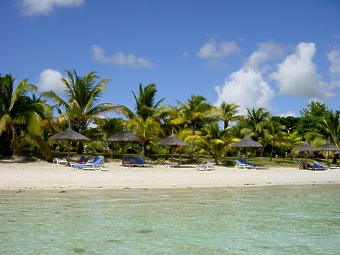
pixel 120 59
pixel 45 7
pixel 297 74
pixel 288 113
pixel 247 89
pixel 50 80
pixel 267 51
pixel 334 59
pixel 214 51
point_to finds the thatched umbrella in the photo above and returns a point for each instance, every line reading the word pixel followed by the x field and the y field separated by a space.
pixel 173 142
pixel 328 147
pixel 246 142
pixel 124 137
pixel 305 147
pixel 69 135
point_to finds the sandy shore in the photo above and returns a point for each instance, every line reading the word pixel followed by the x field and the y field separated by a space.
pixel 43 175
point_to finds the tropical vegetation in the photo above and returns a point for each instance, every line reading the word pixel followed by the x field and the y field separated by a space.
pixel 27 120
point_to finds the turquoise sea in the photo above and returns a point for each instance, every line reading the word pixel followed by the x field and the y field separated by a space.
pixel 249 220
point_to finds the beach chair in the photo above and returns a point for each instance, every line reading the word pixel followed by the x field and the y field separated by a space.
pixel 82 160
pixel 170 164
pixel 96 164
pixel 244 164
pixel 206 166
pixel 129 162
pixel 60 161
pixel 317 166
pixel 140 162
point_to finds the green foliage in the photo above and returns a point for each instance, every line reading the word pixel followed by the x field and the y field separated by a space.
pixel 26 121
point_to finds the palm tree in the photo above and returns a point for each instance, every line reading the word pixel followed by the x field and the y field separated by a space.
pixel 147 115
pixel 292 140
pixel 82 94
pixel 228 113
pixel 110 126
pixel 147 130
pixel 213 140
pixel 331 125
pixel 255 121
pixel 275 134
pixel 17 110
pixel 145 105
pixel 194 114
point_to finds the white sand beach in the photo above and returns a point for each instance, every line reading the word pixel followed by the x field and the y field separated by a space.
pixel 44 175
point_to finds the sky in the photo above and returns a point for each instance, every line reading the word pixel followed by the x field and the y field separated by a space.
pixel 274 54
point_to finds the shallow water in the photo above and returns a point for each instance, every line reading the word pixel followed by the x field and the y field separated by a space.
pixel 251 220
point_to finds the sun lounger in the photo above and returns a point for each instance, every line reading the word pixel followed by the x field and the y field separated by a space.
pixel 140 162
pixel 206 166
pixel 170 164
pixel 317 166
pixel 129 162
pixel 135 161
pixel 60 161
pixel 82 160
pixel 96 164
pixel 244 164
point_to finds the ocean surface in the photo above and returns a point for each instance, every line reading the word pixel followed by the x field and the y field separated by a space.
pixel 249 220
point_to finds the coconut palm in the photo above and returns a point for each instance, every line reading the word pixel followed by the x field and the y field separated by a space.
pixel 331 126
pixel 213 140
pixel 274 134
pixel 110 126
pixel 255 121
pixel 20 112
pixel 228 113
pixel 293 139
pixel 196 112
pixel 147 130
pixel 147 115
pixel 145 101
pixel 82 93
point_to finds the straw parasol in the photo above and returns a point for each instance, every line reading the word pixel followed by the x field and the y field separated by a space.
pixel 328 147
pixel 246 142
pixel 305 147
pixel 69 135
pixel 124 137
pixel 173 142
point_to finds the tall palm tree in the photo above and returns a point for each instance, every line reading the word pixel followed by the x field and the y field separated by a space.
pixel 256 120
pixel 145 104
pixel 147 114
pixel 17 110
pixel 196 112
pixel 228 113
pixel 82 93
pixel 331 125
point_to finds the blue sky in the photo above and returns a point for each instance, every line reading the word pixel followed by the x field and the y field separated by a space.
pixel 273 54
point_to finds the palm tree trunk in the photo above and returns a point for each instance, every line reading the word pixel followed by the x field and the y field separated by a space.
pixel 271 153
pixel 191 153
